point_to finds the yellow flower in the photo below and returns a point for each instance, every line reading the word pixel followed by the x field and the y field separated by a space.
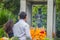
pixel 1 39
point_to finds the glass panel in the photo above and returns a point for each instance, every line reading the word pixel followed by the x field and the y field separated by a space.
pixel 39 15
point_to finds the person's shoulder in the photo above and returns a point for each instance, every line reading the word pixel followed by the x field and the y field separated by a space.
pixel 15 24
pixel 26 24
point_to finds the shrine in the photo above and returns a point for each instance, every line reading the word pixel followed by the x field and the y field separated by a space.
pixel 26 6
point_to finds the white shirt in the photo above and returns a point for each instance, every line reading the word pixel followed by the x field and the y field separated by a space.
pixel 21 30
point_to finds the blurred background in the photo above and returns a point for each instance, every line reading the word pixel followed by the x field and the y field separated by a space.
pixel 9 9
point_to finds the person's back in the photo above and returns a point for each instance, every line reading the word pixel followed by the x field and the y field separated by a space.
pixel 21 30
pixel 18 28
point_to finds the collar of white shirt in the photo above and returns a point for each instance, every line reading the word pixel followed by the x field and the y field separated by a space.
pixel 21 20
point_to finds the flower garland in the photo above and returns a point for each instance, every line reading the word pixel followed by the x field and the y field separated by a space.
pixel 38 33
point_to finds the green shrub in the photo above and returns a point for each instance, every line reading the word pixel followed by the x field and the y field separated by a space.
pixel 14 38
pixel 48 39
pixel 2 33
pixel 5 15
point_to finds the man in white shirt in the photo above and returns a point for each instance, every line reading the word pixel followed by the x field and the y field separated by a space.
pixel 21 28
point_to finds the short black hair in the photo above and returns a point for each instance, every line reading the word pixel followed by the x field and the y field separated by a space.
pixel 22 15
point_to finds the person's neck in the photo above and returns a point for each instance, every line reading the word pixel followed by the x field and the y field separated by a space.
pixel 23 20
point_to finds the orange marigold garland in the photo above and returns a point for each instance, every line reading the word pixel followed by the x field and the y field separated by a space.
pixel 38 33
